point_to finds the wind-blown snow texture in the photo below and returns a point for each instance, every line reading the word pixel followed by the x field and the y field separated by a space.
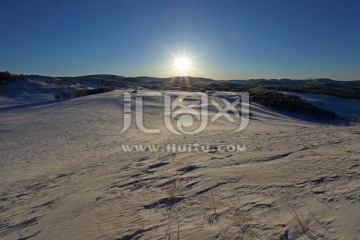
pixel 65 175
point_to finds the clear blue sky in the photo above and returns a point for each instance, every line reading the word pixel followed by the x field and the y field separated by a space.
pixel 226 39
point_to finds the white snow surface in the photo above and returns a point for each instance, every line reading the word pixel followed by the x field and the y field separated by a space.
pixel 347 108
pixel 65 175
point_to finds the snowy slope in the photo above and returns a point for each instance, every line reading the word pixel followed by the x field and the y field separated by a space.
pixel 347 108
pixel 29 92
pixel 65 175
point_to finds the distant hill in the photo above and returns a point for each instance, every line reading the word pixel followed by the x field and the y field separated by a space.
pixel 344 89
pixel 268 92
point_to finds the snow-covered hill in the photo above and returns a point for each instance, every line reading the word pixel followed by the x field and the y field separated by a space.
pixel 65 175
pixel 30 92
pixel 346 108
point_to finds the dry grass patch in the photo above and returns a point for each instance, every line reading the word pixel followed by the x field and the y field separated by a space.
pixel 243 223
pixel 303 220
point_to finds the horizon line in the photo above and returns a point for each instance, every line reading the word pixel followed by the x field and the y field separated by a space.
pixel 143 76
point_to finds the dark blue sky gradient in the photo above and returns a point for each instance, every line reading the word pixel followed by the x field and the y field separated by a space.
pixel 228 39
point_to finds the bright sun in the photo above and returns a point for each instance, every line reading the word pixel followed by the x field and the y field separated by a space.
pixel 182 64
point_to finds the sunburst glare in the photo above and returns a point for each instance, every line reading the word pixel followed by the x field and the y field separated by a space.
pixel 182 64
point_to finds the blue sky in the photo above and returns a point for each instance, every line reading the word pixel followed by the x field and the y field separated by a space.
pixel 227 39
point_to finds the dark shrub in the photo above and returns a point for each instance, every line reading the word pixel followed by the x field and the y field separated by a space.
pixel 62 95
pixel 6 77
pixel 289 102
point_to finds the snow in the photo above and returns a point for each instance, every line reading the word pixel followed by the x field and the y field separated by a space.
pixel 346 108
pixel 30 92
pixel 65 175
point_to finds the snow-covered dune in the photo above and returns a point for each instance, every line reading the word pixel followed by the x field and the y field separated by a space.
pixel 64 174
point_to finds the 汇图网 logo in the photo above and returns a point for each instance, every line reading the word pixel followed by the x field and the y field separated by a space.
pixel 188 112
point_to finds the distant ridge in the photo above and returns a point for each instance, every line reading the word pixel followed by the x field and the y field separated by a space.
pixel 201 79
pixel 325 86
